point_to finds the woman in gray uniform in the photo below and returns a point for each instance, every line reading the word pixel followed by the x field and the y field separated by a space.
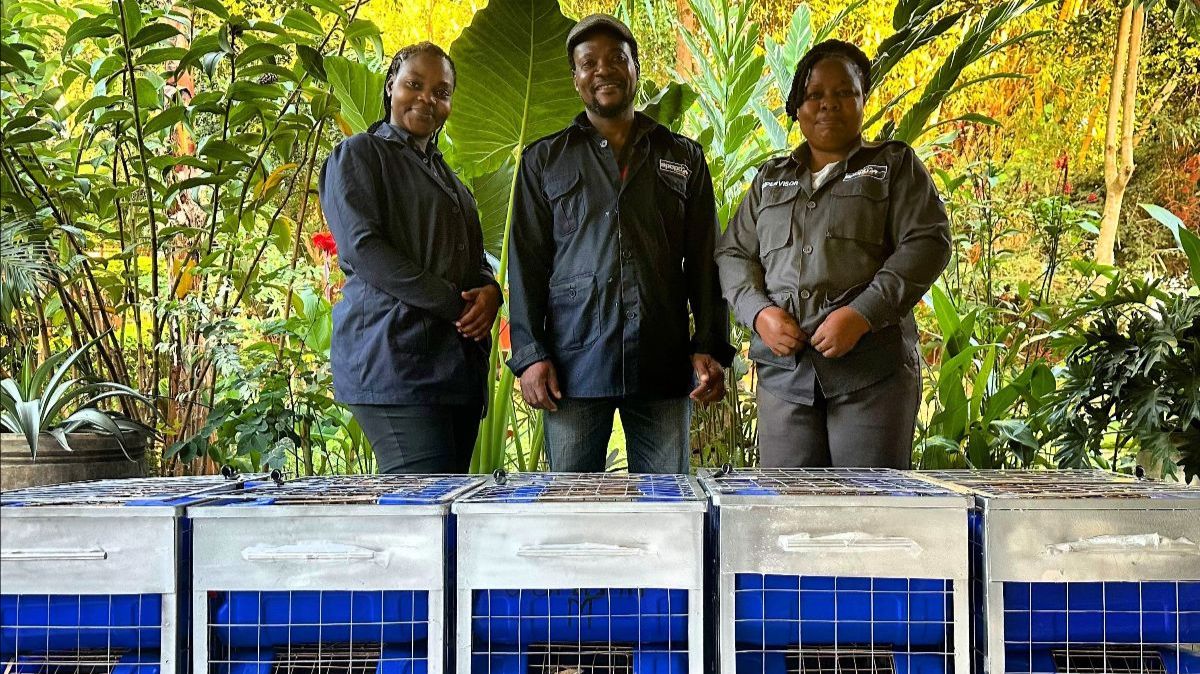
pixel 830 250
pixel 410 345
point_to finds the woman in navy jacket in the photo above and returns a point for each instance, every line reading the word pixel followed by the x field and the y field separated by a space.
pixel 410 343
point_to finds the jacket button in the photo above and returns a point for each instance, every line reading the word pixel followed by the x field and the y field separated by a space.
pixel 808 250
pixel 571 294
pixel 632 314
pixel 812 205
pixel 603 142
pixel 805 294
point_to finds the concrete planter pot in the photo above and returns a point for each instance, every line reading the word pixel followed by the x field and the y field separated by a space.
pixel 95 456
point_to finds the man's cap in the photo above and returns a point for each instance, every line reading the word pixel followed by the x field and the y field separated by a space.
pixel 599 21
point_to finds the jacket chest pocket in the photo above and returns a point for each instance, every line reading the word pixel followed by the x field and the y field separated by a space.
pixel 859 210
pixel 671 193
pixel 774 221
pixel 574 312
pixel 565 194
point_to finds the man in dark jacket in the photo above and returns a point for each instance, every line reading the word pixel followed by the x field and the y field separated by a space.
pixel 613 237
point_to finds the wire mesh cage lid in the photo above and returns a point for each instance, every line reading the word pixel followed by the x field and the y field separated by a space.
pixel 150 491
pixel 1061 484
pixel 585 488
pixel 769 482
pixel 357 489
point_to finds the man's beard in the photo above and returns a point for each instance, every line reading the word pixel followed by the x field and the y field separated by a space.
pixel 613 110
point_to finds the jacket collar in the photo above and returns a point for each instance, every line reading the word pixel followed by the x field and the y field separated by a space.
pixel 802 155
pixel 392 132
pixel 643 125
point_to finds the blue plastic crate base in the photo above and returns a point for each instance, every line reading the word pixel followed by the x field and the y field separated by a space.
pixel 841 660
pixel 264 620
pixel 1149 625
pixel 601 629
pixel 32 624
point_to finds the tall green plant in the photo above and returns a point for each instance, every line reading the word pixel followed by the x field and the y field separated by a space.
pixel 514 87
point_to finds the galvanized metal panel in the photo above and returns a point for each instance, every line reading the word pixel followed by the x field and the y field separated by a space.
pixel 580 549
pixel 1116 545
pixel 325 552
pixel 69 551
pixel 875 541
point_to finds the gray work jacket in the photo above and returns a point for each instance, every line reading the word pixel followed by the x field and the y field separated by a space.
pixel 874 237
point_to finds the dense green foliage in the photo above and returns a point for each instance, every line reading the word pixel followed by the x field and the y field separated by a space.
pixel 158 200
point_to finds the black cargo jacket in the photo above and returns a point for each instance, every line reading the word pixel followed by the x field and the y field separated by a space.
pixel 409 241
pixel 604 270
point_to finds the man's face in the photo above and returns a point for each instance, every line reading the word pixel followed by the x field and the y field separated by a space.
pixel 831 114
pixel 605 74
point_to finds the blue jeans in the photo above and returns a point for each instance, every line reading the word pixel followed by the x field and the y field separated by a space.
pixel 656 433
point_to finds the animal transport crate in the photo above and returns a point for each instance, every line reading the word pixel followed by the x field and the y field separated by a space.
pixel 329 575
pixel 93 575
pixel 1083 571
pixel 563 572
pixel 838 570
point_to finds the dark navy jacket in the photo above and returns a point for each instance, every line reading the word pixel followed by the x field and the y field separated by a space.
pixel 409 241
pixel 604 270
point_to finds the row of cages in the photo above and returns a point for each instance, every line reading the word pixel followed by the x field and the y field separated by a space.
pixel 748 571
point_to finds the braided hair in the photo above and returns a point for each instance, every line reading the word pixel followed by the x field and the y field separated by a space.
pixel 828 49
pixel 398 60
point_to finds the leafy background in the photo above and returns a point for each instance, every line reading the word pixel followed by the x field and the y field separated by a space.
pixel 158 163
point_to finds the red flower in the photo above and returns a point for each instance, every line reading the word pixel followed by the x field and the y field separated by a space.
pixel 1062 162
pixel 1067 189
pixel 324 241
pixel 1093 197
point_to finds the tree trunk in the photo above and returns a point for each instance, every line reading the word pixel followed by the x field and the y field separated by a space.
pixel 1118 137
pixel 685 65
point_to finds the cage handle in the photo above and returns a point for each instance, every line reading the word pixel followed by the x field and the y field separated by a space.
pixel 574 550
pixel 54 555
pixel 1108 544
pixel 852 541
pixel 309 552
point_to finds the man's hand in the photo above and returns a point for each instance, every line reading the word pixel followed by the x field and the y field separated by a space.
pixel 711 378
pixel 779 331
pixel 480 312
pixel 840 332
pixel 539 386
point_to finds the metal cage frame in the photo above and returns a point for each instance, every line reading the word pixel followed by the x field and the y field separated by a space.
pixel 1092 527
pixel 845 523
pixel 107 538
pixel 338 533
pixel 581 531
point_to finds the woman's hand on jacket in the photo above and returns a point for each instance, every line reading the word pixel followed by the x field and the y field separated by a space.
pixel 839 332
pixel 779 331
pixel 480 311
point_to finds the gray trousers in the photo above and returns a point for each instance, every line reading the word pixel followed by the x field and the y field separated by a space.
pixel 871 427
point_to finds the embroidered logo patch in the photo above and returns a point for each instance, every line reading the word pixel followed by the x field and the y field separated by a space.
pixel 781 183
pixel 674 167
pixel 875 171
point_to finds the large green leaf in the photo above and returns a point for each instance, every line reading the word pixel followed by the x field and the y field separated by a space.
pixel 358 89
pixel 975 45
pixel 492 192
pixel 1186 239
pixel 514 82
pixel 669 103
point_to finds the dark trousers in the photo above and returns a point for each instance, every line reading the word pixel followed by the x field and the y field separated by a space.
pixel 871 427
pixel 420 438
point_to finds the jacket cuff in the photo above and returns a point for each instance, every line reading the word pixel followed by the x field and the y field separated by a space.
pixel 748 309
pixel 719 349
pixel 871 305
pixel 521 360
pixel 451 307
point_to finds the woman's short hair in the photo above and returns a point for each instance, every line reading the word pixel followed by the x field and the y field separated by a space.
pixel 398 60
pixel 828 49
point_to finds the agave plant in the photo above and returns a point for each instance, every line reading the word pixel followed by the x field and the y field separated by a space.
pixel 34 402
